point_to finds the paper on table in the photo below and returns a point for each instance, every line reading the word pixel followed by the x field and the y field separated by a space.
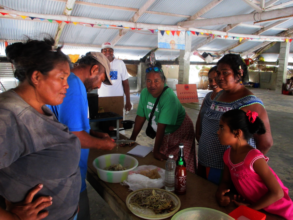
pixel 140 151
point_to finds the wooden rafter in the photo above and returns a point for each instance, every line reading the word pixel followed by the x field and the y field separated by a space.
pixel 205 9
pixel 67 11
pixel 262 4
pixel 264 29
pixel 208 40
pixel 135 18
pixel 271 3
pixel 253 5
pixel 283 5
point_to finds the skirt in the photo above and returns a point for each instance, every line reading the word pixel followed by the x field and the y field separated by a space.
pixel 183 135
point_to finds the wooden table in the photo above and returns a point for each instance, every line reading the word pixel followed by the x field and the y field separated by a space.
pixel 200 192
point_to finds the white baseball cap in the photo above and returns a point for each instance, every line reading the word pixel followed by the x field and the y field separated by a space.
pixel 107 45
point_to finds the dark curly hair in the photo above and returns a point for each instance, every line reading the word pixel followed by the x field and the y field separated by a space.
pixel 235 62
pixel 34 55
pixel 87 60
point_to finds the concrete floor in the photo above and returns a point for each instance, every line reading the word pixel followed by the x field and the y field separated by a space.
pixel 280 112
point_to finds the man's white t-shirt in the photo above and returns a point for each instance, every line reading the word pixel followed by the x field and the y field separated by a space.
pixel 118 74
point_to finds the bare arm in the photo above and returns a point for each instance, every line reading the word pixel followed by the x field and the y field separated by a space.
pixel 275 192
pixel 224 188
pixel 159 139
pixel 139 121
pixel 90 142
pixel 126 89
pixel 264 141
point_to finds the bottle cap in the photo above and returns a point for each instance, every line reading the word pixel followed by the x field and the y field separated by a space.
pixel 171 156
pixel 181 145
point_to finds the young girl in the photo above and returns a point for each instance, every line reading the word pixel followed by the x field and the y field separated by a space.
pixel 247 168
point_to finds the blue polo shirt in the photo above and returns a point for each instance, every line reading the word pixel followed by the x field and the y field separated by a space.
pixel 73 112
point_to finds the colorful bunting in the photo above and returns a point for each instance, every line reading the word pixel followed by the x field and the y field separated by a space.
pixel 162 32
pixel 132 28
pixel 126 27
pixel 75 23
pixel 201 33
pixel 3 13
pixel 59 22
pixel 138 29
pixel 67 22
pixel 107 25
pixel 197 33
pixel 178 33
pixel 119 26
pixel 173 32
pixel 240 39
pixel 32 18
pixel 168 32
pixel 156 30
pixel 92 25
pixel 152 31
pixel 287 40
pixel 193 32
pixel 50 20
pixel 99 25
pixel 290 40
pixel 188 33
pixel 226 36
pixel 113 25
pixel 13 15
pixel 23 17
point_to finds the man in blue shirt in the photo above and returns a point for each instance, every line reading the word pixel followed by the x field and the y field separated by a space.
pixel 92 70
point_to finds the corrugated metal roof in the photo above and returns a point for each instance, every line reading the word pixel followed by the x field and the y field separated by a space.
pixel 197 40
pixel 124 3
pixel 246 46
pixel 130 54
pixel 35 6
pixel 287 24
pixel 19 29
pixel 244 30
pixel 86 35
pixel 159 19
pixel 271 32
pixel 218 44
pixel 79 50
pixel 166 55
pixel 139 38
pixel 214 27
pixel 101 13
pixel 184 7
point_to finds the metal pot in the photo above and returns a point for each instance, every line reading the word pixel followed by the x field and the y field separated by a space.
pixel 127 124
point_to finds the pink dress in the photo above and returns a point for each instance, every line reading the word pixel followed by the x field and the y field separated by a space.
pixel 250 186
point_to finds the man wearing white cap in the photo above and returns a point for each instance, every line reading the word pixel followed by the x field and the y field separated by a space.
pixel 119 77
pixel 91 71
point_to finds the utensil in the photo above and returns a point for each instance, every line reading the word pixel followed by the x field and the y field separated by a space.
pixel 149 214
pixel 125 141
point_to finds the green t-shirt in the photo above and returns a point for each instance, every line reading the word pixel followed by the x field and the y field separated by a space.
pixel 169 110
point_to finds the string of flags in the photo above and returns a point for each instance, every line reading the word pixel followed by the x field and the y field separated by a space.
pixel 162 32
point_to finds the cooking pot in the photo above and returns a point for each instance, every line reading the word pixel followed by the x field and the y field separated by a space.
pixel 127 124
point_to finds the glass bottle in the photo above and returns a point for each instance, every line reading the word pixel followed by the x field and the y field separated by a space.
pixel 180 173
pixel 170 174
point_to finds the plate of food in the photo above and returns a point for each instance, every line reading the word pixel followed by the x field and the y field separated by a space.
pixel 153 203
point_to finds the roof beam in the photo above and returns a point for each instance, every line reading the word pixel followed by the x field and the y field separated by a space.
pixel 283 5
pixel 208 40
pixel 142 10
pixel 237 18
pixel 262 4
pixel 264 29
pixel 271 3
pixel 230 27
pixel 121 33
pixel 67 11
pixel 205 9
pixel 254 6
pixel 233 46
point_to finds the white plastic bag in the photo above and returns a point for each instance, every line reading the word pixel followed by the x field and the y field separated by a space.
pixel 137 181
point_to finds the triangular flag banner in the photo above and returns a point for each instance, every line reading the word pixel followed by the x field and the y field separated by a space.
pixel 107 25
pixel 233 38
pixel 240 39
pixel 42 19
pixel 3 13
pixel 207 34
pixel 13 15
pixel 32 18
pixel 126 27
pixel 290 40
pixel 67 22
pixel 226 36
pixel 84 24
pixel 132 28
pixel 287 40
pixel 138 29
pixel 75 23
pixel 152 31
pixel 119 26
pixel 178 33
pixel 23 17
pixel 156 30
pixel 197 33
pixel 113 25
pixel 193 32
pixel 211 35
pixel 168 32
pixel 99 25
pixel 59 22
pixel 162 32
pixel 188 33
pixel 201 33
pixel 50 20
pixel 92 25
pixel 173 32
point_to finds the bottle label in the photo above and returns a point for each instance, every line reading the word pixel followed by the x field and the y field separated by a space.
pixel 181 184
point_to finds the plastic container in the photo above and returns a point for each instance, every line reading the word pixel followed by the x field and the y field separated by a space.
pixel 247 213
pixel 170 168
pixel 110 159
pixel 200 213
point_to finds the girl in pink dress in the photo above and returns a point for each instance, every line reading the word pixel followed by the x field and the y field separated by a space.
pixel 246 167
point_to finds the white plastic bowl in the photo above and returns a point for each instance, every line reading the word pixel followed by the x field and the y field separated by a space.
pixel 109 159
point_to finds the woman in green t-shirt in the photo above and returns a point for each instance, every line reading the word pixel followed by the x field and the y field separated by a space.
pixel 170 122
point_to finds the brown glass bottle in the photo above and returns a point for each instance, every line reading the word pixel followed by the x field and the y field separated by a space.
pixel 180 173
